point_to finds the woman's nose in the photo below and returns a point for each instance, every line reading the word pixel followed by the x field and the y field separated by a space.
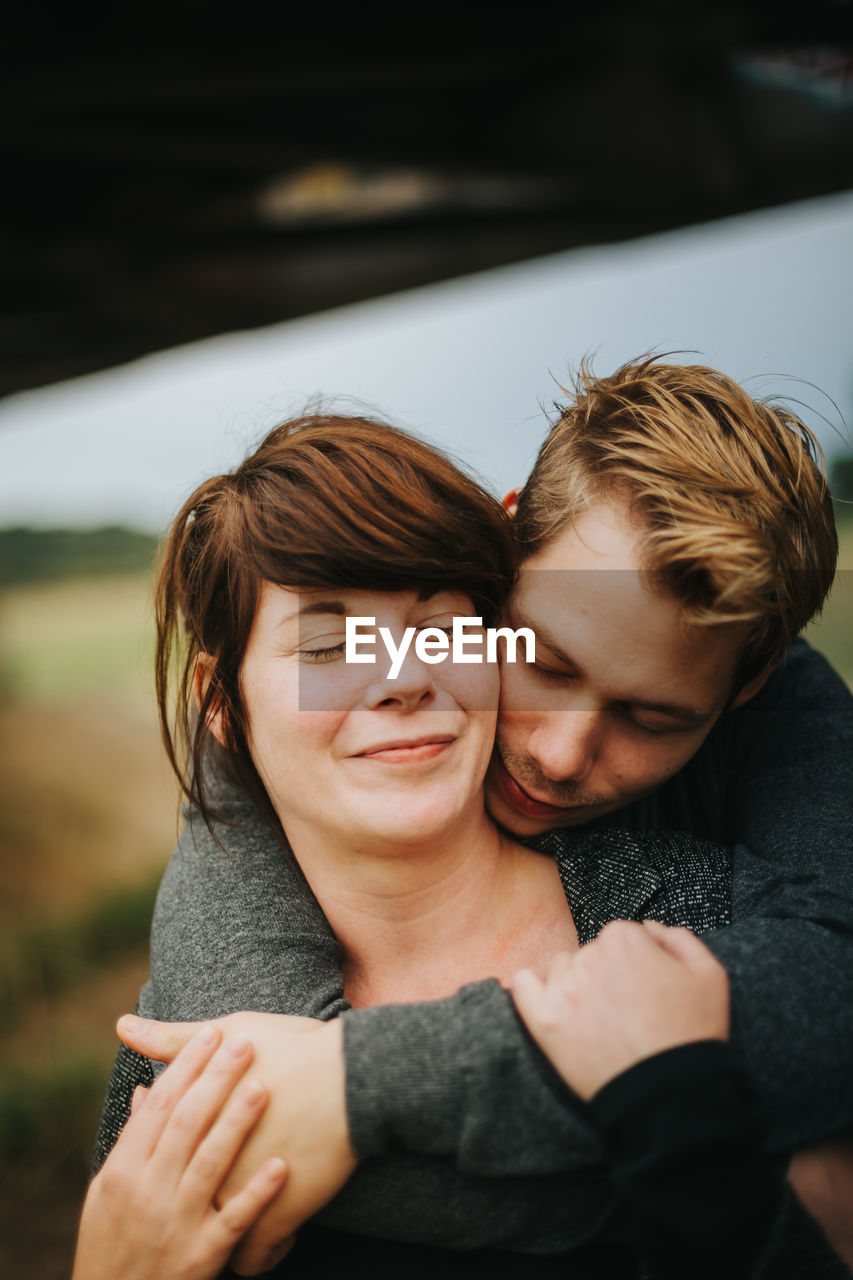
pixel 410 689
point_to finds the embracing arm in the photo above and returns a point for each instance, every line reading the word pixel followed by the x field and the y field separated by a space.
pixel 636 1024
pixel 785 764
pixel 458 1079
pixel 789 949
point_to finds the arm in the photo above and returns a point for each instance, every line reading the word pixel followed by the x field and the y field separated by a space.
pixel 780 772
pixel 636 1024
pixel 788 801
pixel 458 1079
pixel 236 926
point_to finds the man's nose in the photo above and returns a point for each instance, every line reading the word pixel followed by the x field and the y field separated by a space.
pixel 566 744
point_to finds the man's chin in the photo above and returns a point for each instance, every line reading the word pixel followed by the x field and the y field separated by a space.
pixel 525 825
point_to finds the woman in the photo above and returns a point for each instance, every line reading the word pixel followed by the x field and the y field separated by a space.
pixel 376 782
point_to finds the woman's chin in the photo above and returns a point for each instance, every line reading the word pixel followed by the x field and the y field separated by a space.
pixel 427 820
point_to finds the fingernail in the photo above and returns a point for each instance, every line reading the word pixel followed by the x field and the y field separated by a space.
pixel 130 1022
pixel 207 1035
pixel 238 1045
pixel 253 1091
pixel 275 1169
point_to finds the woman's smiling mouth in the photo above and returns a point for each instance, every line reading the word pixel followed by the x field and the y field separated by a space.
pixel 408 751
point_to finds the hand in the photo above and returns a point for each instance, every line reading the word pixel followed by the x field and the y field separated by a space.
pixel 150 1212
pixel 301 1063
pixel 822 1176
pixel 636 990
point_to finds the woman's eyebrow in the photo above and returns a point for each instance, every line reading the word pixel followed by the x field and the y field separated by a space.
pixel 337 607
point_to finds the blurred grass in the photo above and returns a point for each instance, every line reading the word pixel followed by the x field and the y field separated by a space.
pixel 65 640
pixel 832 634
pixel 43 960
pixel 88 815
pixel 39 555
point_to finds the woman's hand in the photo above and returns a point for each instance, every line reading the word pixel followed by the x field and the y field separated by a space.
pixel 636 990
pixel 150 1212
pixel 301 1062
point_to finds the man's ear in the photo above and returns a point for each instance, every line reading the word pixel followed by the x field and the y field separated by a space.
pixel 752 688
pixel 510 502
pixel 205 665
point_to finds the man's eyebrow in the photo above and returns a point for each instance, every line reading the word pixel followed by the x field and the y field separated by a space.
pixel 517 618
pixel 675 709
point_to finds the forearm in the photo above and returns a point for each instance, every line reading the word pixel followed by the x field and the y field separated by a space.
pixel 789 815
pixel 462 1077
pixel 696 1189
pixel 792 1023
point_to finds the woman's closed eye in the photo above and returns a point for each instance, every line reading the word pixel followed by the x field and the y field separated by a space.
pixel 326 653
pixel 322 648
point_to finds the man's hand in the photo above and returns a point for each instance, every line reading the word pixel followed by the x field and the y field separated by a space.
pixel 636 990
pixel 300 1061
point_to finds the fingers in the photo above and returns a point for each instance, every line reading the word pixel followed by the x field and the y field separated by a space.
pixel 528 992
pixel 243 1210
pixel 139 1095
pixel 162 1041
pixel 146 1128
pixel 216 1154
pixel 201 1104
pixel 679 943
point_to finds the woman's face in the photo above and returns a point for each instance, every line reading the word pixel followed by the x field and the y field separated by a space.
pixel 345 752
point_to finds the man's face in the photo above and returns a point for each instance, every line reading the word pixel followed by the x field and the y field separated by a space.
pixel 621 695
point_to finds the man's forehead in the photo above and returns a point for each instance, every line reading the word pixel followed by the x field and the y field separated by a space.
pixel 619 632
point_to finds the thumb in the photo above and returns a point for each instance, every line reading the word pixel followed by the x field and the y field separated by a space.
pixel 678 942
pixel 162 1041
pixel 528 992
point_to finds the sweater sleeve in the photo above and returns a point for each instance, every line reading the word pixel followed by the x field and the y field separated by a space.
pixel 789 949
pixel 697 1191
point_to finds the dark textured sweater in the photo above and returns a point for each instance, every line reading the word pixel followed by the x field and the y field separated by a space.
pixel 456 1097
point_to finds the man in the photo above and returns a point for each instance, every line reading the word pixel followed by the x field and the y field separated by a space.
pixel 677 536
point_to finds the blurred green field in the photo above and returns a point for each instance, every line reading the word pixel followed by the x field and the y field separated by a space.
pixel 88 816
pixel 832 634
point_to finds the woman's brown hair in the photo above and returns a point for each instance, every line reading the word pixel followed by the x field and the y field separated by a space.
pixel 324 501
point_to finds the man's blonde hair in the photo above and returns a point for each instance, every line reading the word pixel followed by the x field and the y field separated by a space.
pixel 730 495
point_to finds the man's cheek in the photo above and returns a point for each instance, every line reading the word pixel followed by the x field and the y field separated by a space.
pixel 522 694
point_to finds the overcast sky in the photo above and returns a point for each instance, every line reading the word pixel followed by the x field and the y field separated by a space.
pixel 466 363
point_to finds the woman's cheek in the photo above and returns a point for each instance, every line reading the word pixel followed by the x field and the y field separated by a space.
pixel 474 686
pixel 332 686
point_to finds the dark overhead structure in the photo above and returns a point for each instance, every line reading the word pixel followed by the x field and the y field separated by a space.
pixel 176 171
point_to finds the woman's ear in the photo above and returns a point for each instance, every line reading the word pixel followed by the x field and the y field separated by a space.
pixel 510 502
pixel 205 665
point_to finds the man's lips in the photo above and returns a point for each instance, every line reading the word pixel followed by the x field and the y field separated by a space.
pixel 519 799
pixel 407 750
